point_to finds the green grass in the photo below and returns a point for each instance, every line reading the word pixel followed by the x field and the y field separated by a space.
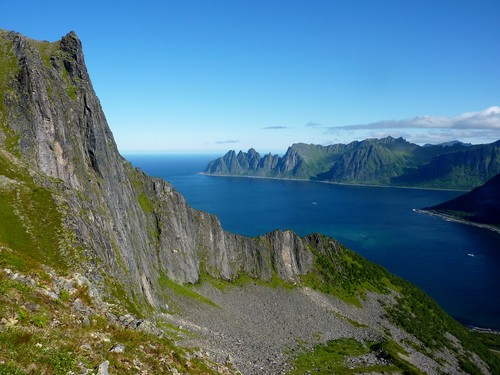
pixel 182 290
pixel 10 369
pixel 331 358
pixel 145 203
pixel 9 68
pixel 490 340
pixel 46 50
pixel 31 226
pixel 420 315
pixel 345 274
pixel 34 346
pixel 328 358
pixel 118 293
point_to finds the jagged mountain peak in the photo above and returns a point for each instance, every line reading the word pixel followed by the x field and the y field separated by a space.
pixel 380 161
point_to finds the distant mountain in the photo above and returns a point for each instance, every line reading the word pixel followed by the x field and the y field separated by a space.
pixel 464 167
pixel 450 143
pixel 386 161
pixel 481 205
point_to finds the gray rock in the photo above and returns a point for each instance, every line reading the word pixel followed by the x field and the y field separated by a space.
pixel 48 293
pixel 32 306
pixel 118 348
pixel 103 368
pixel 85 321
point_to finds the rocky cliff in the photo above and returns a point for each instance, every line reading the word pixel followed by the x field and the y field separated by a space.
pixel 138 226
pixel 71 205
pixel 386 161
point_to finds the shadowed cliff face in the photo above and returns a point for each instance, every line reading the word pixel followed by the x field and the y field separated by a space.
pixel 481 205
pixel 136 228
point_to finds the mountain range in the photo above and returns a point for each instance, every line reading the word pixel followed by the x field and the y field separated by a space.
pixel 104 269
pixel 387 161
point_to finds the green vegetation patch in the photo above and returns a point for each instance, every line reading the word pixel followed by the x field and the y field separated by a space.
pixel 420 315
pixel 145 203
pixel 31 226
pixel 345 356
pixel 127 299
pixel 46 50
pixel 345 274
pixel 9 68
pixel 182 290
pixel 489 339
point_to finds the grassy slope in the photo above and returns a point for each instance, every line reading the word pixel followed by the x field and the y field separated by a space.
pixel 47 334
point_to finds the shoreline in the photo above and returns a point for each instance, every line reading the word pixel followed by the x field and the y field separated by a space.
pixel 456 219
pixel 331 182
pixel 483 330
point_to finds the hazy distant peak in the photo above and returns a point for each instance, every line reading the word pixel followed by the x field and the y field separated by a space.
pixel 448 144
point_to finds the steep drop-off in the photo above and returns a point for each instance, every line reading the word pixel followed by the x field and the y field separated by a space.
pixel 84 235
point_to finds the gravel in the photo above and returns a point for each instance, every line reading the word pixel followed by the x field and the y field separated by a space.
pixel 261 328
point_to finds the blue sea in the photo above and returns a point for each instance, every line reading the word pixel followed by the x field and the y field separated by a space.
pixel 458 265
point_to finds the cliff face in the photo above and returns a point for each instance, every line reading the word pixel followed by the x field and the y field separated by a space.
pixel 138 228
pixel 386 161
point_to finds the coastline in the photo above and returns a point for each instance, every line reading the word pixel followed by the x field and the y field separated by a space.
pixel 483 330
pixel 456 219
pixel 332 182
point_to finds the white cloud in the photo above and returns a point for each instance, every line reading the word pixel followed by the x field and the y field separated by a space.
pixel 488 119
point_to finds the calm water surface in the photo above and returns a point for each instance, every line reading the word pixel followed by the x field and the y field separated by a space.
pixel 376 222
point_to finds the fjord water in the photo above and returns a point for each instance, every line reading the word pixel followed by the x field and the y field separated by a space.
pixel 457 264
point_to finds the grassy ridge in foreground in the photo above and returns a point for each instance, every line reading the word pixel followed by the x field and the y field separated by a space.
pixel 43 332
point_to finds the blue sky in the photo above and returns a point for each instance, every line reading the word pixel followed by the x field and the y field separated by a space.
pixel 213 75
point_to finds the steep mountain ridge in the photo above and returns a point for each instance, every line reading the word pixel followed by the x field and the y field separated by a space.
pixel 70 202
pixel 386 161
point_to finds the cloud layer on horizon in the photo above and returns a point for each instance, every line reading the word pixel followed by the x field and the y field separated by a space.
pixel 473 127
pixel 488 119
